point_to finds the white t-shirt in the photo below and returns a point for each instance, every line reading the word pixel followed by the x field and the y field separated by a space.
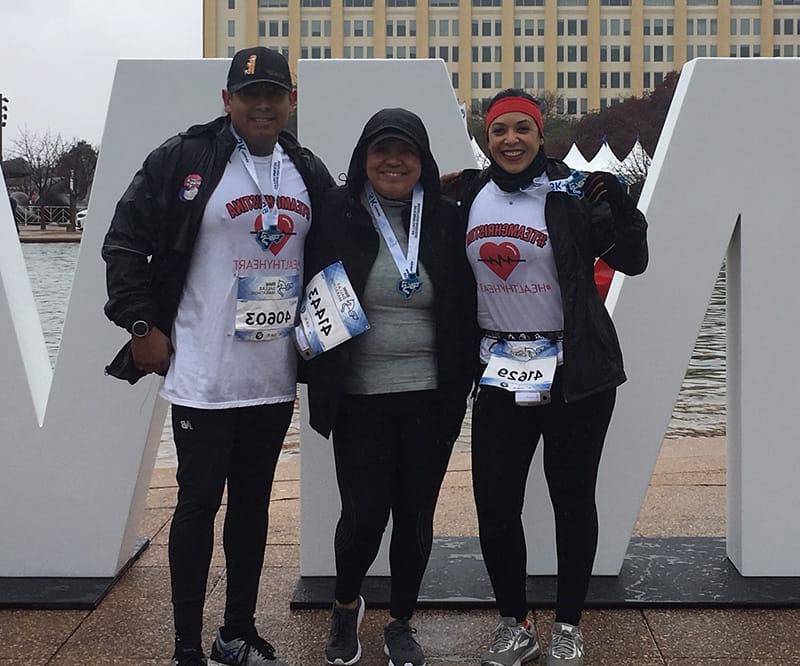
pixel 213 368
pixel 511 255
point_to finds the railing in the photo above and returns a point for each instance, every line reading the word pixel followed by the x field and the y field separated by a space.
pixel 42 215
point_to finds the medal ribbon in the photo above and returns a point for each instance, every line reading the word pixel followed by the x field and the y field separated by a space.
pixel 572 185
pixel 406 264
pixel 269 215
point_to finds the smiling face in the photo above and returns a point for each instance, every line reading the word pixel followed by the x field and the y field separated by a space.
pixel 259 112
pixel 393 167
pixel 514 141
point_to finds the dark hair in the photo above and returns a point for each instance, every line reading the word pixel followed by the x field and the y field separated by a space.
pixel 513 92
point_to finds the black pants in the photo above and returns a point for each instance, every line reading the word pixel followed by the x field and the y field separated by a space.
pixel 389 457
pixel 504 438
pixel 240 446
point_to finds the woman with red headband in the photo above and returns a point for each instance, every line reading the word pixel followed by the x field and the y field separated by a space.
pixel 550 360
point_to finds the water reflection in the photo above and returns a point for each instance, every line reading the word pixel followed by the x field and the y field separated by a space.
pixel 699 411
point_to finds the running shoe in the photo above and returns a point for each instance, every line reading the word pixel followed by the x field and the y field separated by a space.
pixel 191 657
pixel 513 644
pixel 566 646
pixel 400 645
pixel 343 647
pixel 250 650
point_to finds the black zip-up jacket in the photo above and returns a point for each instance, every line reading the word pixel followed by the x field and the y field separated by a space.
pixel 149 245
pixel 581 231
pixel 346 233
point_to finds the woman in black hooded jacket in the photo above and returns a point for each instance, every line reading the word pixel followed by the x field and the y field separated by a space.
pixel 395 396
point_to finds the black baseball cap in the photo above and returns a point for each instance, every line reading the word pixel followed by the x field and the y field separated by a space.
pixel 258 65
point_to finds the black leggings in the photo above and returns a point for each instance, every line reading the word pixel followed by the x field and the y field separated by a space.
pixel 504 438
pixel 388 458
pixel 240 446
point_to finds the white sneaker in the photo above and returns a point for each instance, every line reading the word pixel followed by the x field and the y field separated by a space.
pixel 513 644
pixel 566 646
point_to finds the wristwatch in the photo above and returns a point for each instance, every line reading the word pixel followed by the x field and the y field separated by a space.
pixel 140 328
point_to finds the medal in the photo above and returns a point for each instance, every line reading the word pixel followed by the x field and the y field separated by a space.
pixel 409 282
pixel 409 285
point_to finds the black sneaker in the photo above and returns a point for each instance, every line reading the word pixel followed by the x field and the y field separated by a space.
pixel 400 645
pixel 250 650
pixel 343 647
pixel 191 657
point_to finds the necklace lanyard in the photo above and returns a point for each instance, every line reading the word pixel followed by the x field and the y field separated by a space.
pixel 572 185
pixel 269 215
pixel 406 264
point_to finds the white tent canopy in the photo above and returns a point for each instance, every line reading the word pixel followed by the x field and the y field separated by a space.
pixel 574 159
pixel 605 160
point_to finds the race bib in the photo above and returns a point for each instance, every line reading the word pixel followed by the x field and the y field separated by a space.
pixel 524 368
pixel 266 307
pixel 330 314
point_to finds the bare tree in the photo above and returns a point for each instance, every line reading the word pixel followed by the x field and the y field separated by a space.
pixel 42 152
pixel 76 166
pixel 633 169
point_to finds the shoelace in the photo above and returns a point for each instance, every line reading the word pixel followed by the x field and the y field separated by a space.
pixel 256 644
pixel 503 638
pixel 563 645
pixel 404 633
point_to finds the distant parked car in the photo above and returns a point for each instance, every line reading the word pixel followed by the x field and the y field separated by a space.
pixel 80 218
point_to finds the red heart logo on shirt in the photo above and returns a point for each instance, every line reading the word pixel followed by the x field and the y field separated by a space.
pixel 285 226
pixel 502 258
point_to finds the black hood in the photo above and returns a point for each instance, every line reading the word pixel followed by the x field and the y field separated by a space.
pixel 403 122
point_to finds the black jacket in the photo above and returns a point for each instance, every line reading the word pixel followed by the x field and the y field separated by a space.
pixel 581 231
pixel 149 246
pixel 345 232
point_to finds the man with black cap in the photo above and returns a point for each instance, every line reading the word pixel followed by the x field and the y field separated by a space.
pixel 204 269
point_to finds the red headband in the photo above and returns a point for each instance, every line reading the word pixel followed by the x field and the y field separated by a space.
pixel 509 104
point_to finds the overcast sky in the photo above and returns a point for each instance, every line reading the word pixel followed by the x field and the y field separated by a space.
pixel 57 57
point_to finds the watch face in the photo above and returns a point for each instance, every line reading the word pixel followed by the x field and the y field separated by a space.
pixel 140 328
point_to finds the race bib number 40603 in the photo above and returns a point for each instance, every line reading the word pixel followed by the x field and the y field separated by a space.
pixel 330 314
pixel 266 306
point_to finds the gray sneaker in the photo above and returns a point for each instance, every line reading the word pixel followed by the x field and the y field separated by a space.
pixel 251 650
pixel 343 647
pixel 513 644
pixel 400 645
pixel 566 646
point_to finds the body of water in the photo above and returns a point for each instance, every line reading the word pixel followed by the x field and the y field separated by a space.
pixel 699 411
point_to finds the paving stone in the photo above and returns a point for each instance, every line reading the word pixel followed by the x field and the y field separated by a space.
pixel 455 513
pixel 682 511
pixel 134 621
pixel 610 636
pixel 28 635
pixel 726 634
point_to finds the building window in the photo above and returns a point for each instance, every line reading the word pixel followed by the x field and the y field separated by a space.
pixel 572 28
pixel 626 80
pixel 572 79
pixel 231 28
pixel 262 29
pixel 584 79
pixel 615 79
pixel 604 79
pixel 486 80
pixel 231 51
pixel 455 54
pixel 443 3
pixel 572 106
pixel 487 3
pixel 400 3
pixel 315 3
pixel 231 4
pixel 357 3
pixel 273 3
pixel 454 76
pixel 560 80
pixel 615 3
pixel 746 3
pixel 571 3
